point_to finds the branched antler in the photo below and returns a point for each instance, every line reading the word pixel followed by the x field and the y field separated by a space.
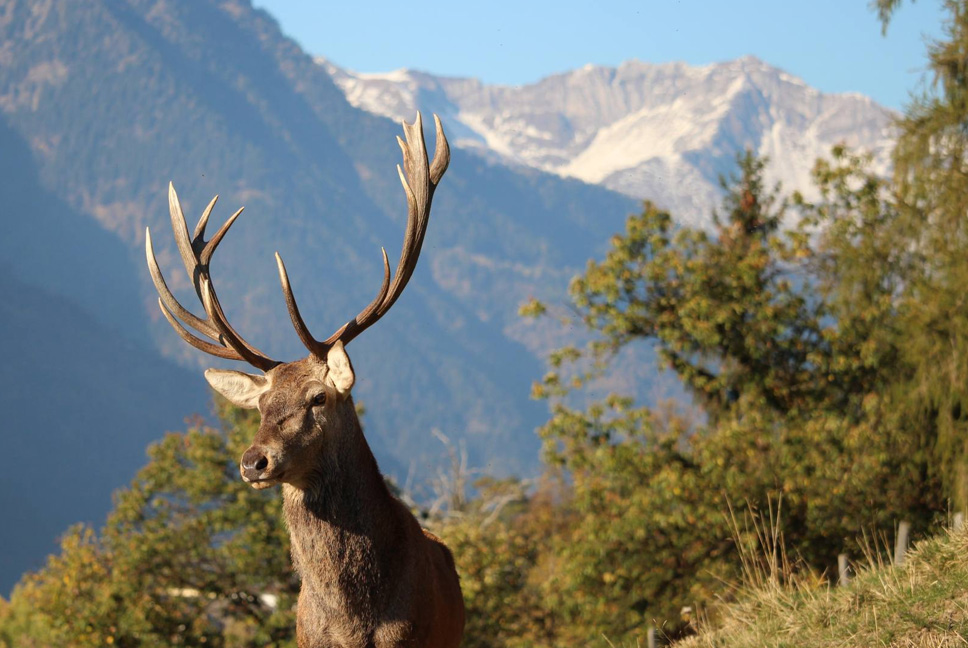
pixel 419 183
pixel 196 253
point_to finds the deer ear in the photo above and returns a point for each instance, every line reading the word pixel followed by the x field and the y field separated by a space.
pixel 239 388
pixel 340 369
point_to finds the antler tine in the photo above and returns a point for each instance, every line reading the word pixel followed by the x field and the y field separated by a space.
pixel 297 321
pixel 441 153
pixel 207 347
pixel 196 254
pixel 203 221
pixel 208 249
pixel 369 310
pixel 180 229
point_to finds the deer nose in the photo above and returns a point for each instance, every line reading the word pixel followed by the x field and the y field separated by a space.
pixel 254 462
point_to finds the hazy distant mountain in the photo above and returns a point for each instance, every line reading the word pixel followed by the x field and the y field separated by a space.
pixel 80 404
pixel 660 131
pixel 82 390
pixel 102 103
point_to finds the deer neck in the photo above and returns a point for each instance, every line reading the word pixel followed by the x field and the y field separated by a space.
pixel 343 522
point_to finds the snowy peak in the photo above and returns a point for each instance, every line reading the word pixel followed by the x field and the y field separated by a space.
pixel 661 131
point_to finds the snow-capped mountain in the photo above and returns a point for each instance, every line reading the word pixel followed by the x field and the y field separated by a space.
pixel 660 131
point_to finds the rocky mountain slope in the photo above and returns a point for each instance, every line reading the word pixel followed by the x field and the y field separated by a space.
pixel 659 131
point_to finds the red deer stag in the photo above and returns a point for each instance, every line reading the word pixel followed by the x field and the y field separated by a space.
pixel 370 575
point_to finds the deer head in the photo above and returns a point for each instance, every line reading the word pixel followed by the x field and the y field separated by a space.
pixel 305 405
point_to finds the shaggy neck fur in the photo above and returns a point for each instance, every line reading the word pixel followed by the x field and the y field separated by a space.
pixel 340 524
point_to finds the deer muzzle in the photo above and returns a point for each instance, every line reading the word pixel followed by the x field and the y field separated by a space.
pixel 256 467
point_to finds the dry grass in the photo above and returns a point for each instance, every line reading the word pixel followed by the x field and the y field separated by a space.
pixel 923 603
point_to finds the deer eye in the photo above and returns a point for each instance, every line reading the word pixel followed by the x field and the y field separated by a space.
pixel 319 399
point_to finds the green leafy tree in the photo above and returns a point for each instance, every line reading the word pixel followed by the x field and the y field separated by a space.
pixel 930 229
pixel 648 535
pixel 722 309
pixel 916 260
pixel 786 339
pixel 189 556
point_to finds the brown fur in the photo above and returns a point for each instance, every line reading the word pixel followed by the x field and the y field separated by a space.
pixel 370 575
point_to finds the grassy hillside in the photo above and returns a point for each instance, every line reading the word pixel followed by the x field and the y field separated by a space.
pixel 923 602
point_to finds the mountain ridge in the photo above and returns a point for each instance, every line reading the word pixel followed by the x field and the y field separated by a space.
pixel 664 131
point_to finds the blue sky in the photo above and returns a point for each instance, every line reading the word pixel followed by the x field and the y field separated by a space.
pixel 834 45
